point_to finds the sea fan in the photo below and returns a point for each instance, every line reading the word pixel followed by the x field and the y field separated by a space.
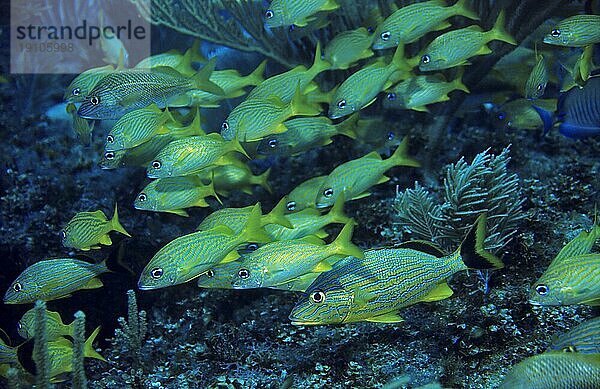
pixel 485 185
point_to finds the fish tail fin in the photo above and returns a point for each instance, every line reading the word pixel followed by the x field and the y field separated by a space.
pixel 336 214
pixel 301 106
pixel 462 9
pixel 116 225
pixel 263 180
pixel 401 157
pixel 235 145
pixel 347 126
pixel 88 347
pixel 546 116
pixel 202 78
pixel 472 251
pixel 257 76
pixel 343 243
pixel 457 82
pixel 499 31
pixel 196 56
pixel 398 60
pixel 253 231
pixel 319 64
pixel 277 214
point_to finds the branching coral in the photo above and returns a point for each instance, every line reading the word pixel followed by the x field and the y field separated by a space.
pixel 485 185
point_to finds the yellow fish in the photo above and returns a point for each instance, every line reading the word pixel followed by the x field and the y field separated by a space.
pixel 87 230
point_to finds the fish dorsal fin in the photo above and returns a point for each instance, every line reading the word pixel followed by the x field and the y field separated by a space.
pixel 440 292
pixel 390 317
pixel 423 246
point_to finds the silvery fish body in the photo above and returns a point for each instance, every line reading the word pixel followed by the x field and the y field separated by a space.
pixel 54 278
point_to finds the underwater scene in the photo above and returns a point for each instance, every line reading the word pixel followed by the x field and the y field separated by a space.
pixel 300 194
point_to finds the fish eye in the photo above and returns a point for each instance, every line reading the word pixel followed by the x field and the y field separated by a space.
pixel 317 297
pixel 501 116
pixel 386 35
pixel 110 139
pixel 225 126
pixel 555 33
pixel 95 100
pixel 251 246
pixel 391 96
pixel 328 192
pixel 210 273
pixel 156 273
pixel 156 165
pixel 539 87
pixel 17 287
pixel 269 14
pixel 76 92
pixel 244 273
pixel 291 28
pixel 109 155
pixel 541 289
pixel 425 59
pixel 370 30
pixel 390 135
pixel 341 104
pixel 19 326
pixel 569 349
pixel 63 234
pixel 272 143
pixel 291 205
pixel 142 197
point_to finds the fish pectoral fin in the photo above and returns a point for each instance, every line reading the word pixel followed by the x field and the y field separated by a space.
pixel 361 195
pixel 484 50
pixel 94 283
pixel 232 256
pixel 180 212
pixel 131 98
pixel 383 179
pixel 362 298
pixel 391 317
pixel 105 240
pixel 440 292
pixel 321 267
pixel 421 108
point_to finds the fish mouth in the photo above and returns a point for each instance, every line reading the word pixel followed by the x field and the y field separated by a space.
pixel 321 205
pixel 146 287
pixel 536 303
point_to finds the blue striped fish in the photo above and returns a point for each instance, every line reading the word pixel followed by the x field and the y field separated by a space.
pixel 236 218
pixel 304 134
pixel 87 230
pixel 83 84
pixel 143 154
pixel 361 89
pixel 8 354
pixel 236 175
pixel 413 21
pixel 303 196
pixel 570 281
pixel 222 276
pixel 455 47
pixel 279 262
pixel 555 370
pixel 538 79
pixel 580 245
pixel 308 222
pixel 188 256
pixel 575 31
pixel 388 279
pixel 174 194
pixel 298 13
pixel 583 339
pixel 354 178
pixel 284 85
pixel 348 47
pixel 191 155
pixel 55 328
pixel 137 127
pixel 52 279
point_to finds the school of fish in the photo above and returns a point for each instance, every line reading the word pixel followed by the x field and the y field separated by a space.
pixel 158 107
